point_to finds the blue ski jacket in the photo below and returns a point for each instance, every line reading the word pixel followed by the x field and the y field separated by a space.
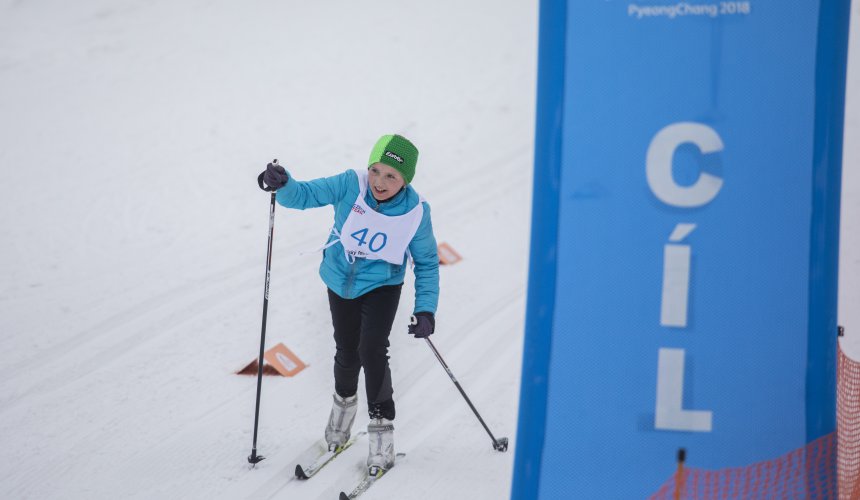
pixel 350 280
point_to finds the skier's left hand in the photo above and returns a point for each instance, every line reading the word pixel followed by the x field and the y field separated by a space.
pixel 422 325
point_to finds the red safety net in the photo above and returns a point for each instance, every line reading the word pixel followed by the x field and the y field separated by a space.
pixel 812 472
pixel 848 427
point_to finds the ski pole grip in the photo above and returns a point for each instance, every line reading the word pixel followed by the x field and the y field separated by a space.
pixel 262 185
pixel 260 182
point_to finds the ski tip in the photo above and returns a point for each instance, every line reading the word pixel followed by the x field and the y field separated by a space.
pixel 343 496
pixel 300 473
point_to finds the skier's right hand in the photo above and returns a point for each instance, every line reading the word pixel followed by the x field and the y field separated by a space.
pixel 275 176
pixel 422 325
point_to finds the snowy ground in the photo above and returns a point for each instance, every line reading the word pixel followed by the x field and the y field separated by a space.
pixel 133 237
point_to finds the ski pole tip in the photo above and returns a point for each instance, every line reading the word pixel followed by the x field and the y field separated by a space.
pixel 501 445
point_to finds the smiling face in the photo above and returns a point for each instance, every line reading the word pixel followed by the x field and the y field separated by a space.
pixel 384 181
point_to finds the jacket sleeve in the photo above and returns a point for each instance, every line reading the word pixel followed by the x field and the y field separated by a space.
pixel 316 193
pixel 424 254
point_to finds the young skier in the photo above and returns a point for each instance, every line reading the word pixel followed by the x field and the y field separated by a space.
pixel 380 222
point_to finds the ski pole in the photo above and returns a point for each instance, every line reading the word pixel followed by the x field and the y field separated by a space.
pixel 253 459
pixel 500 444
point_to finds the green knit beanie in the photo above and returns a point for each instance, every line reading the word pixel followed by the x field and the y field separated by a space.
pixel 398 153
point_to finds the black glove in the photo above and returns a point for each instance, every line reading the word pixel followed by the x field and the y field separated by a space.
pixel 422 325
pixel 275 176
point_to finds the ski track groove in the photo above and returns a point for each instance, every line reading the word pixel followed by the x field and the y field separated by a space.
pixel 141 465
pixel 161 314
pixel 76 368
pixel 175 316
pixel 172 299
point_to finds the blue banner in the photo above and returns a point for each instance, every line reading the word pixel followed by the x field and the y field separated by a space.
pixel 682 279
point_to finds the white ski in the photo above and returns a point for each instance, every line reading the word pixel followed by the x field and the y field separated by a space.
pixel 371 476
pixel 324 459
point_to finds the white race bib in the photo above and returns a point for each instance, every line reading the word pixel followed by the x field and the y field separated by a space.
pixel 368 234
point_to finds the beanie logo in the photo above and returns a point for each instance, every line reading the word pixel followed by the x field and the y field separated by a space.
pixel 392 155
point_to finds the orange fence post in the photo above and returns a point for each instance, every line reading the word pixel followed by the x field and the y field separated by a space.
pixel 679 475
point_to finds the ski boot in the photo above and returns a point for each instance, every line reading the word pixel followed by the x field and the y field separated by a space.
pixel 380 434
pixel 340 420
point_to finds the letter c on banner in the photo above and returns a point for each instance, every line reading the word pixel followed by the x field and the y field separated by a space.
pixel 658 165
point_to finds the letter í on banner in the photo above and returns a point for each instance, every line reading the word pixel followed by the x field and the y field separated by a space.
pixel 676 278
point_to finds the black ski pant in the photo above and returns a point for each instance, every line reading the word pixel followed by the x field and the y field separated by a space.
pixel 361 329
